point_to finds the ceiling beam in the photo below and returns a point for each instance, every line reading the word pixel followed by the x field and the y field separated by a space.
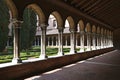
pixel 98 7
pixel 90 7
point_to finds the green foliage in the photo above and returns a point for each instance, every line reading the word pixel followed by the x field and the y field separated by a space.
pixel 28 29
pixel 34 53
pixel 4 21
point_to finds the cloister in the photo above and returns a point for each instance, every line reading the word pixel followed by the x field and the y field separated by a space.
pixel 60 24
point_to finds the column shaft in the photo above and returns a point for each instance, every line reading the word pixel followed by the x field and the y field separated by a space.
pixel 16 29
pixel 73 41
pixel 82 48
pixel 60 42
pixel 88 41
pixel 94 41
pixel 43 42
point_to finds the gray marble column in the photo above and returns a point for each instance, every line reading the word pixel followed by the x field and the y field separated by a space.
pixel 56 41
pixel 52 37
pixel 88 41
pixel 94 41
pixel 82 48
pixel 72 41
pixel 60 42
pixel 38 41
pixel 111 40
pixel 76 40
pixel 16 30
pixel 66 40
pixel 107 40
pixel 43 41
pixel 98 41
pixel 102 41
pixel 48 41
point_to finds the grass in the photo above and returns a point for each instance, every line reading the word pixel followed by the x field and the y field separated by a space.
pixel 32 53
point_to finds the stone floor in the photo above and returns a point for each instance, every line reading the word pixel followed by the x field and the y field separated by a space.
pixel 103 67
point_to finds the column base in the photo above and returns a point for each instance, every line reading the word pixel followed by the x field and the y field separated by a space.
pixel 16 60
pixel 93 48
pixel 88 49
pixel 43 56
pixel 98 47
pixel 73 52
pixel 60 53
pixel 82 50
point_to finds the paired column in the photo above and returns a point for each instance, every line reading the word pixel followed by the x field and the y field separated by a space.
pixel 73 41
pixel 43 41
pixel 60 42
pixel 82 48
pixel 16 30
pixel 94 41
pixel 111 41
pixel 56 41
pixel 88 41
pixel 102 41
pixel 98 41
pixel 66 40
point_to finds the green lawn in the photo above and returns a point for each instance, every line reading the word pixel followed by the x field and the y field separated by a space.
pixel 32 53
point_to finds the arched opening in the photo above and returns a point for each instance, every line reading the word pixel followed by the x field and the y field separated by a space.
pixel 54 24
pixel 88 36
pixel 81 25
pixel 81 30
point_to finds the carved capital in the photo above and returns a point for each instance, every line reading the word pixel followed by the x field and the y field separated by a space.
pixel 16 23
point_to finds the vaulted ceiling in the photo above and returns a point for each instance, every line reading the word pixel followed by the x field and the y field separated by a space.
pixel 107 11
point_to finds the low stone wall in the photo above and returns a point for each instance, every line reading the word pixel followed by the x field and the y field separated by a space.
pixel 24 70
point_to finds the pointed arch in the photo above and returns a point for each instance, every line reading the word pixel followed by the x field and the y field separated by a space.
pixel 38 11
pixel 88 27
pixel 81 25
pixel 58 18
pixel 13 9
pixel 93 29
pixel 71 22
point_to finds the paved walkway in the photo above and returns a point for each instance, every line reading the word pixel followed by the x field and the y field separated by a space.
pixel 103 67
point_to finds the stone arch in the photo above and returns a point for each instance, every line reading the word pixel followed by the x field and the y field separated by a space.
pixel 59 19
pixel 38 11
pixel 98 30
pixel 81 25
pixel 93 29
pixel 71 22
pixel 12 8
pixel 88 27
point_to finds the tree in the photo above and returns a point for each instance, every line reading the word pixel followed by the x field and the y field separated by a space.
pixel 4 21
pixel 28 29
